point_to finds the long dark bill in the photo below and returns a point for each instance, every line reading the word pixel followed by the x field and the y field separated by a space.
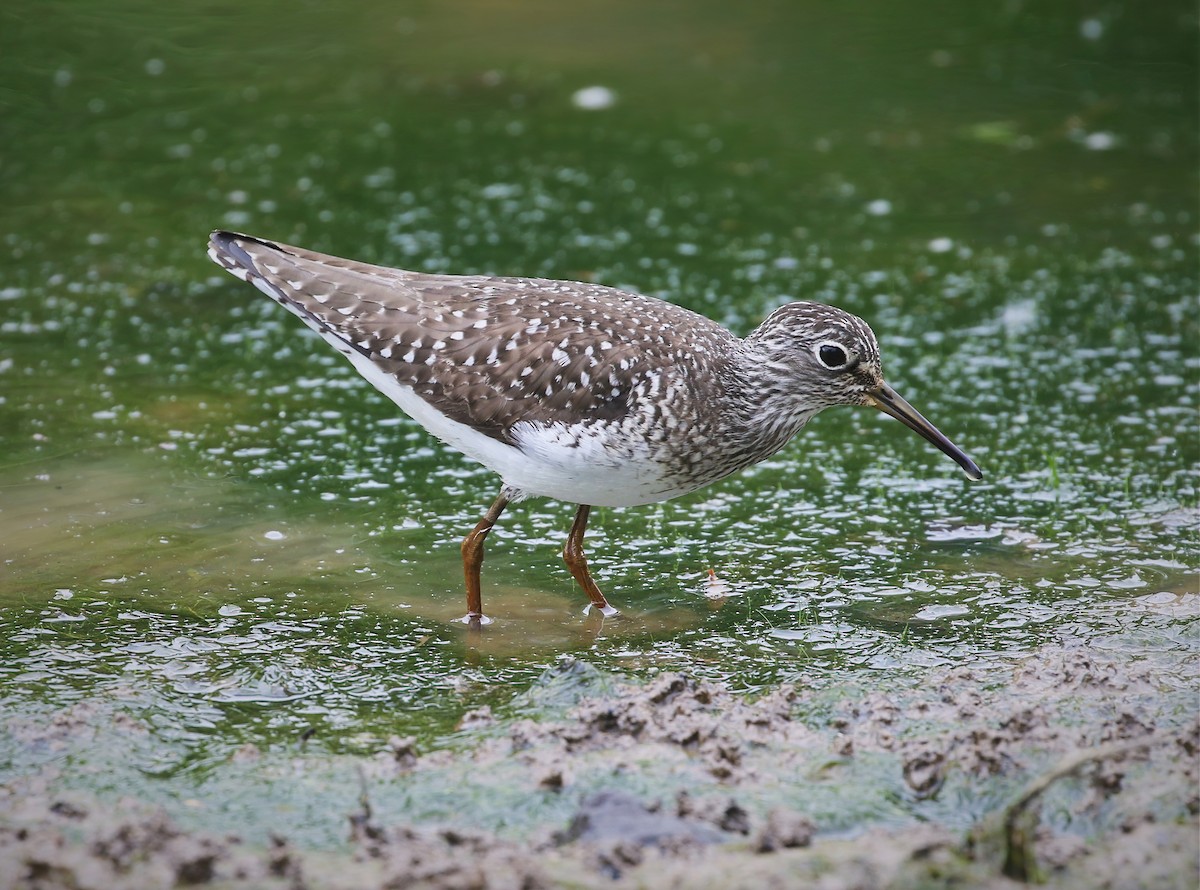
pixel 889 401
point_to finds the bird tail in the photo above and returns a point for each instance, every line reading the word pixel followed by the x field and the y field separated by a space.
pixel 229 251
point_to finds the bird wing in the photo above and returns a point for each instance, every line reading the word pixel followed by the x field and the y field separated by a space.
pixel 486 352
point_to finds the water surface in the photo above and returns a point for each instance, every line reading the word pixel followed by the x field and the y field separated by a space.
pixel 212 525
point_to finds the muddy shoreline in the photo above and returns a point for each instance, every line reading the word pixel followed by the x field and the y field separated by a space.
pixel 1073 768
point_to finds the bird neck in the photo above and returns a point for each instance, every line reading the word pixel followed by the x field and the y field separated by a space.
pixel 766 407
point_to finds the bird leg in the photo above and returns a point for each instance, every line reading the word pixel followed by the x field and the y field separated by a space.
pixel 472 553
pixel 577 563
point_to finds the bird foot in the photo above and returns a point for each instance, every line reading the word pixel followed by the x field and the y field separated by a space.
pixel 474 619
pixel 606 610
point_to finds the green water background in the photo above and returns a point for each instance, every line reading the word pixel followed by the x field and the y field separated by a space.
pixel 211 524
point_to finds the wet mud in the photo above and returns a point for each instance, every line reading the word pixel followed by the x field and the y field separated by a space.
pixel 1067 768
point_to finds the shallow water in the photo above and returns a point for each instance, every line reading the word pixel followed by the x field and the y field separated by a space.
pixel 211 524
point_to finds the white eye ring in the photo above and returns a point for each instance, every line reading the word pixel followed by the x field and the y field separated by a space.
pixel 827 352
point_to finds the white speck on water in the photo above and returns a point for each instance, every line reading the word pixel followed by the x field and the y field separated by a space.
pixel 381 178
pixel 1091 29
pixel 104 415
pixel 941 245
pixel 789 633
pixel 964 533
pixel 251 452
pixel 594 98
pixel 1018 317
pixel 155 67
pixel 879 207
pixel 1101 140
pixel 62 77
pixel 274 535
pixel 62 618
pixel 716 588
pixel 229 611
pixel 64 593
pixel 1132 582
pixel 498 190
pixel 938 612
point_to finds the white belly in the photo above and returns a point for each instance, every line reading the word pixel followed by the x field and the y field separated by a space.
pixel 556 461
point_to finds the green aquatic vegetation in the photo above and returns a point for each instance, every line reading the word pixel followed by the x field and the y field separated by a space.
pixel 226 555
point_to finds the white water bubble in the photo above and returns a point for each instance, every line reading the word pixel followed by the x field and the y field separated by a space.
pixel 594 98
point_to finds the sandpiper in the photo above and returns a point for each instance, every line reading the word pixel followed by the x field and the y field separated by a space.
pixel 576 391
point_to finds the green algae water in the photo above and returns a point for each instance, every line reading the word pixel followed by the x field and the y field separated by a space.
pixel 211 525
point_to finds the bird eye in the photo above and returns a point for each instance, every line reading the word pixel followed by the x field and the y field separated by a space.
pixel 832 356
